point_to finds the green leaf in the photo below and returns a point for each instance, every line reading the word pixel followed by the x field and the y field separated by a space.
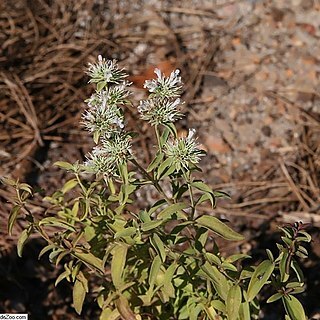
pixel 219 305
pixel 218 279
pixel 101 85
pixel 89 233
pixel 293 308
pixel 287 241
pixel 172 129
pixel 119 256
pixel 246 273
pixel 13 217
pixel 81 277
pixel 75 209
pixel 194 311
pixel 126 190
pixel 275 297
pixel 111 186
pixel 211 313
pixel 155 162
pixel 156 206
pixel 287 231
pixel 283 266
pixel 75 270
pixel 123 169
pixel 178 190
pixel 201 238
pixel 229 266
pixel 244 312
pixel 46 249
pixel 79 293
pixel 124 308
pixel 64 165
pixel 90 260
pixel 233 302
pixel 207 196
pixel 154 270
pixel 53 221
pixel 96 136
pixel 305 236
pixel 171 209
pixel 9 182
pixel 221 194
pixel 236 257
pixel 62 276
pixel 213 258
pixel 294 284
pixel 158 245
pixel 218 227
pixel 298 290
pixel 270 255
pixel 301 252
pixel 201 186
pixel 54 253
pixel 179 227
pixel 25 187
pixel 259 278
pixel 150 225
pixel 164 137
pixel 22 240
pixel 163 167
pixel 295 266
pixel 69 185
pixel 167 280
pixel 127 232
pixel 144 216
pixel 109 314
pixel 171 169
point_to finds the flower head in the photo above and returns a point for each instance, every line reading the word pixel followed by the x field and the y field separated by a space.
pixel 105 70
pixel 98 163
pixel 159 110
pixel 118 94
pixel 118 148
pixel 105 157
pixel 102 118
pixel 115 95
pixel 165 86
pixel 183 151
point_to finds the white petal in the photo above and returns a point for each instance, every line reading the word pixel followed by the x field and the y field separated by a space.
pixel 158 73
pixel 191 133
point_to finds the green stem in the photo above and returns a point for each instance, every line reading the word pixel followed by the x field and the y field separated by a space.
pixel 36 226
pixel 187 177
pixel 151 179
pixel 158 137
pixel 81 184
pixel 18 196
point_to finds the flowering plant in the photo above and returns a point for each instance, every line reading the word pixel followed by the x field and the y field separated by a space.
pixel 160 261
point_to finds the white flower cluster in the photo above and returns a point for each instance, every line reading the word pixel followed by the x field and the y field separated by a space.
pixel 165 86
pixel 105 157
pixel 162 105
pixel 105 70
pixel 98 163
pixel 184 151
pixel 159 111
pixel 104 118
pixel 118 148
